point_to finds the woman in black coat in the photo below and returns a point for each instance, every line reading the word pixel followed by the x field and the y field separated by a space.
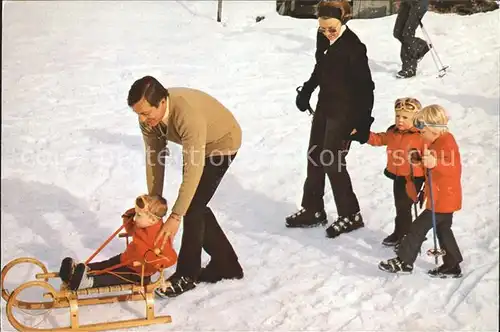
pixel 343 113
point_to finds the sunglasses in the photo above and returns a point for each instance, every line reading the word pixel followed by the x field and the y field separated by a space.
pixel 406 104
pixel 330 30
pixel 421 124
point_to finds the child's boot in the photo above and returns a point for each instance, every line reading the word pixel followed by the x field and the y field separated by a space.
pixel 80 278
pixel 395 265
pixel 67 269
pixel 446 272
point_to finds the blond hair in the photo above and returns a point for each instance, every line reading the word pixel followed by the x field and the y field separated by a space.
pixel 407 104
pixel 343 5
pixel 434 114
pixel 155 204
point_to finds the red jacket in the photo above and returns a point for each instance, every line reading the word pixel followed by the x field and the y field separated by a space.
pixel 141 248
pixel 446 177
pixel 399 143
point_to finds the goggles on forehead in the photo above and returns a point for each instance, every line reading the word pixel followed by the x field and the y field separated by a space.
pixel 142 205
pixel 421 124
pixel 406 104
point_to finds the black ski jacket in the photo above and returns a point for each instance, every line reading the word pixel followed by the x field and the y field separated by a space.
pixel 344 78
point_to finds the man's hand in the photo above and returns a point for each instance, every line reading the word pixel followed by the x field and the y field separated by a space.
pixel 428 159
pixel 168 230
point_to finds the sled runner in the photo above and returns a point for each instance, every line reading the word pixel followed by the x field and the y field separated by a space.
pixel 66 298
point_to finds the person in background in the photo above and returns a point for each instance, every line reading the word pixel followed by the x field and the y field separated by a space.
pixel 413 49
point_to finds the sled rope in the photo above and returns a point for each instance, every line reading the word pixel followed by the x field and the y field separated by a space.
pixel 104 244
pixel 117 274
pixel 110 270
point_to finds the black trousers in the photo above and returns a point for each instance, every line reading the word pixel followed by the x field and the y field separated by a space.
pixel 404 205
pixel 201 229
pixel 110 279
pixel 411 243
pixel 327 155
pixel 407 21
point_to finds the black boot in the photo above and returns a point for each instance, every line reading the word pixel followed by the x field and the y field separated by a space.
pixel 306 218
pixel 395 265
pixel 178 285
pixel 214 272
pixel 446 272
pixel 345 225
pixel 392 240
pixel 406 73
pixel 80 279
pixel 67 269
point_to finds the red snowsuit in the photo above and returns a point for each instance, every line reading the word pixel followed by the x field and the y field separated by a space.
pixel 142 246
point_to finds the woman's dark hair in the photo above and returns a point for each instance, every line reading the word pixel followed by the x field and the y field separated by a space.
pixel 149 88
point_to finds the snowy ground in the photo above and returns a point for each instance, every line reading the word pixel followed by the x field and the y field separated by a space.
pixel 72 160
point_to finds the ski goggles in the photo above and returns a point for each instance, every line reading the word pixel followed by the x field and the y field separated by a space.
pixel 421 124
pixel 406 104
pixel 142 205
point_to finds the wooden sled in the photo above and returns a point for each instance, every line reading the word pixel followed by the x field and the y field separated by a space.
pixel 64 298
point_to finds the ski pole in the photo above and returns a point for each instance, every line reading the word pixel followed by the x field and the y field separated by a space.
pixel 433 212
pixel 435 56
pixel 414 156
pixel 413 180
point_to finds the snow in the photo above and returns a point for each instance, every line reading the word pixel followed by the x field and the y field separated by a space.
pixel 73 160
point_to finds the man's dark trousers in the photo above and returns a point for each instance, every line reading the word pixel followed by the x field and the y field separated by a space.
pixel 201 229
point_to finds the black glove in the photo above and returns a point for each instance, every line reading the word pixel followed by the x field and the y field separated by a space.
pixel 302 100
pixel 362 131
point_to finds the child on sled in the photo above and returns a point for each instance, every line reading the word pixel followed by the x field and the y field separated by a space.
pixel 142 223
pixel 443 184
pixel 401 138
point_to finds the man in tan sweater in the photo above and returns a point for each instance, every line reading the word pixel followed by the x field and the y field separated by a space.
pixel 210 137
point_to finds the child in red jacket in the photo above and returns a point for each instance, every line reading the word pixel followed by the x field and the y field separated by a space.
pixel 442 159
pixel 400 139
pixel 142 223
